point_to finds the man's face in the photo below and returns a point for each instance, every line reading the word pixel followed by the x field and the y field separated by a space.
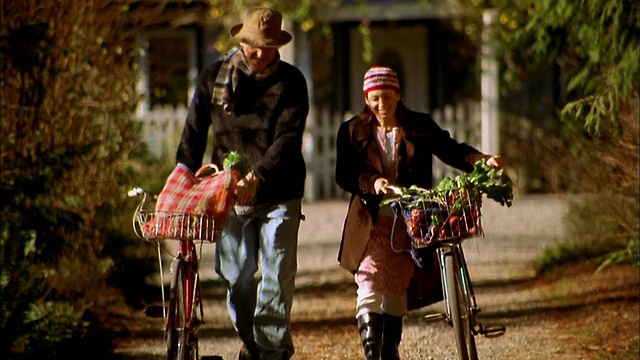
pixel 259 58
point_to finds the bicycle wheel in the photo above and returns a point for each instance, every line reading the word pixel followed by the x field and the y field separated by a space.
pixel 465 342
pixel 177 331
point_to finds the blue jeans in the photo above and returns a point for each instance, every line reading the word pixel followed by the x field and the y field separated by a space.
pixel 261 310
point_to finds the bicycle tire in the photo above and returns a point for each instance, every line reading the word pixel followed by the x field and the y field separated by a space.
pixel 176 332
pixel 465 343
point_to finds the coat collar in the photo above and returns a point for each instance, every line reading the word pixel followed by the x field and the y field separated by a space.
pixel 363 133
pixel 363 128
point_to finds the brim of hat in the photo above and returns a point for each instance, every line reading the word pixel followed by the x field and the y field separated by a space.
pixel 284 39
pixel 381 87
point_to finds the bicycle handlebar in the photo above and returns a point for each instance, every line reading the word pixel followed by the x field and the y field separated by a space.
pixel 136 192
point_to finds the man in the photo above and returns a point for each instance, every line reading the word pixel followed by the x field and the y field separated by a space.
pixel 257 105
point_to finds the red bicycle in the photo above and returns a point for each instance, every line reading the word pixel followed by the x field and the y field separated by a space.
pixel 183 313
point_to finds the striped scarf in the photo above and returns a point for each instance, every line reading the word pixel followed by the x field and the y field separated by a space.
pixel 228 75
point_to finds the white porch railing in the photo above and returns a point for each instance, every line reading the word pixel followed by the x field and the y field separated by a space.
pixel 319 149
pixel 464 123
pixel 162 129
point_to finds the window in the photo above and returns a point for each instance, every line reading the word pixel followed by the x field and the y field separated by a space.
pixel 168 67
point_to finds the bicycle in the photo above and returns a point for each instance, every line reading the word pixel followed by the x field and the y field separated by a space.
pixel 444 222
pixel 183 314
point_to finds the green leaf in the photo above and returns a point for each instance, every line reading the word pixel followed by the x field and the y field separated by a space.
pixel 30 243
pixel 484 179
pixel 236 160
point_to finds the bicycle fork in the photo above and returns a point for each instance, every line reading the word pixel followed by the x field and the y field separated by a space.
pixel 460 264
pixel 192 288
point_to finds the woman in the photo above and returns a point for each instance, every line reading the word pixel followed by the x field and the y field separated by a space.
pixel 386 144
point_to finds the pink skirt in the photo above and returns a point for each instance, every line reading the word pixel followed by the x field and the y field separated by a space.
pixel 384 268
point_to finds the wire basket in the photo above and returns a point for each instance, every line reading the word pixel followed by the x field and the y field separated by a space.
pixel 156 226
pixel 444 217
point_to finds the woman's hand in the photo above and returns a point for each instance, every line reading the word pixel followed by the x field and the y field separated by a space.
pixel 380 185
pixel 247 188
pixel 496 161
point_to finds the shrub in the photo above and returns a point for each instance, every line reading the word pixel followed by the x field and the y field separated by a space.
pixel 605 224
pixel 65 138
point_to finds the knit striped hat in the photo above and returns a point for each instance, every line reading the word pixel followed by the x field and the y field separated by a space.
pixel 380 77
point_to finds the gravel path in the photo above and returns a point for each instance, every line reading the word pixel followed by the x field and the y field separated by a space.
pixel 501 266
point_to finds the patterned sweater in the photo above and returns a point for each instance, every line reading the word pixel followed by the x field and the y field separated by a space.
pixel 267 124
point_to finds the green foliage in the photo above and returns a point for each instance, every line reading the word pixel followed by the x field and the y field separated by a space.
pixel 607 254
pixel 236 160
pixel 569 253
pixel 47 325
pixel 628 255
pixel 596 43
pixel 484 179
pixel 65 142
pixel 602 227
pixel 605 225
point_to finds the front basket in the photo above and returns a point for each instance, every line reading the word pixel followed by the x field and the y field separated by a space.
pixel 155 226
pixel 447 216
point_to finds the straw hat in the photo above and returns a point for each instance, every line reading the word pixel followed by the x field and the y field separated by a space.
pixel 262 27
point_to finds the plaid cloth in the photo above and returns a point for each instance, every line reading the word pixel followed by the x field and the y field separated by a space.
pixel 186 193
pixel 189 205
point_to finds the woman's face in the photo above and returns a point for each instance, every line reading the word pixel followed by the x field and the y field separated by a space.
pixel 383 103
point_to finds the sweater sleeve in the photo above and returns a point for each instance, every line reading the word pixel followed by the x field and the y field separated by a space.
pixel 353 173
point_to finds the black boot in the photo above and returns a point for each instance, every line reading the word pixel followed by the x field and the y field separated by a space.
pixel 248 354
pixel 370 327
pixel 391 336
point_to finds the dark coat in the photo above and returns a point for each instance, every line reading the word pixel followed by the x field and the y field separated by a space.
pixel 359 164
pixel 266 125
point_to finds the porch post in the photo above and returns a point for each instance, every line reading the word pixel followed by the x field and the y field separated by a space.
pixel 298 53
pixel 142 86
pixel 490 86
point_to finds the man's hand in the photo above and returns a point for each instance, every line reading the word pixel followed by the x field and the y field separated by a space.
pixel 247 188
